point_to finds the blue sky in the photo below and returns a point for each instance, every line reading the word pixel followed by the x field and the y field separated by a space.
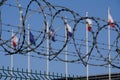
pixel 95 8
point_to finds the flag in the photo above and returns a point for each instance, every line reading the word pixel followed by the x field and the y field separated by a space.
pixel 31 38
pixel 110 19
pixel 14 40
pixel 69 30
pixel 89 24
pixel 51 35
pixel 68 27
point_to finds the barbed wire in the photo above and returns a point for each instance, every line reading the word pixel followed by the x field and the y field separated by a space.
pixel 52 13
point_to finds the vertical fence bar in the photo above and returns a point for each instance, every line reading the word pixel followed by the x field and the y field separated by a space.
pixel 37 75
pixel 9 73
pixel 5 74
pixel 14 73
pixel 41 75
pixel 18 72
pixel 24 74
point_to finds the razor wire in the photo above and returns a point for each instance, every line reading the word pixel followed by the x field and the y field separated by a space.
pixel 56 15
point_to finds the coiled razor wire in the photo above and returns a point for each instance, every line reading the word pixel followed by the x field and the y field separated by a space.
pixel 47 12
pixel 20 28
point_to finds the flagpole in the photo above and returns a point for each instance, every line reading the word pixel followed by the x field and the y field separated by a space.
pixel 109 66
pixel 12 63
pixel 66 57
pixel 47 44
pixel 86 50
pixel 28 50
pixel 0 24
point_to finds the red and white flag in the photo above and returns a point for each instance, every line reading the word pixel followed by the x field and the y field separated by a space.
pixel 110 19
pixel 14 41
pixel 89 24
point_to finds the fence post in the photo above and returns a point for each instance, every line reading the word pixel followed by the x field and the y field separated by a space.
pixel 61 75
pixel 10 72
pixel 46 75
pixel 53 75
pixel 15 76
pixel 4 73
pixel 73 76
pixel 24 74
pixel 37 75
pixel 28 74
pixel 0 75
pixel 19 73
pixel 41 75
pixel 32 74
pixel 49 76
pixel 69 77
pixel 57 76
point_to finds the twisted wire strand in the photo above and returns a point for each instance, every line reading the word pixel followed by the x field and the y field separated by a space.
pixel 52 12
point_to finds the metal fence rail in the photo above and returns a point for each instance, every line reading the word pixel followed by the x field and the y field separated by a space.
pixel 17 74
pixel 21 74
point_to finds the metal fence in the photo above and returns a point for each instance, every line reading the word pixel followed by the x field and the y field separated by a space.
pixel 21 74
